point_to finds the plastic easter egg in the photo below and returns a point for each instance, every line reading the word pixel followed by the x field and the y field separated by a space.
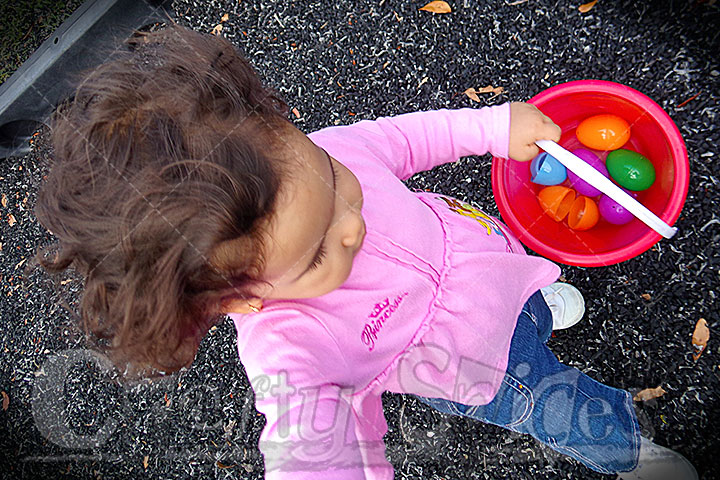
pixel 546 170
pixel 556 201
pixel 613 212
pixel 603 132
pixel 630 169
pixel 583 214
pixel 580 185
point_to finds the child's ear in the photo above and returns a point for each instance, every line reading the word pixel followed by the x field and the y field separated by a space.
pixel 252 305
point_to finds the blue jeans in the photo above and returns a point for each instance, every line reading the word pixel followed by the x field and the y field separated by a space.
pixel 558 405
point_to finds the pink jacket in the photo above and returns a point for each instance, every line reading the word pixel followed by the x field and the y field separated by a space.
pixel 429 307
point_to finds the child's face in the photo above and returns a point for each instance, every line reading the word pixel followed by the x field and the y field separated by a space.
pixel 317 229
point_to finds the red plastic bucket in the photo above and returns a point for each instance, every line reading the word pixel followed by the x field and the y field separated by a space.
pixel 653 134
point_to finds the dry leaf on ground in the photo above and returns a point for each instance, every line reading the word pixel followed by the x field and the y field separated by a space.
pixel 225 18
pixel 584 8
pixel 646 296
pixel 296 112
pixel 490 88
pixel 145 461
pixel 437 7
pixel 470 92
pixel 11 219
pixel 4 200
pixel 217 29
pixel 700 337
pixel 649 394
pixel 473 93
pixel 5 400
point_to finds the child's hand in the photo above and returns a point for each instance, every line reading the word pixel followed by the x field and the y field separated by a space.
pixel 528 124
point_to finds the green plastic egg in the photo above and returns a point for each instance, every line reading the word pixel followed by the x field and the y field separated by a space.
pixel 630 169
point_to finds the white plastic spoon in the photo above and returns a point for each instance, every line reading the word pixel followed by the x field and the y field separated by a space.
pixel 606 186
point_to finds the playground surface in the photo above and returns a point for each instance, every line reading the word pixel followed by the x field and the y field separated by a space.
pixel 337 63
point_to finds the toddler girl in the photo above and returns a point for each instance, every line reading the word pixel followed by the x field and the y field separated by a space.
pixel 182 193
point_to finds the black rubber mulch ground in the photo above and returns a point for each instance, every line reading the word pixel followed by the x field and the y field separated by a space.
pixel 339 62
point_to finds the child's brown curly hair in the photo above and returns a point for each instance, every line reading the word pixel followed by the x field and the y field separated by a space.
pixel 163 179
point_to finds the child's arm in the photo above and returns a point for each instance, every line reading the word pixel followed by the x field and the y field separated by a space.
pixel 313 431
pixel 419 141
pixel 310 434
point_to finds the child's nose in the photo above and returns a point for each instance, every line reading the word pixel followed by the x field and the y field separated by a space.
pixel 354 230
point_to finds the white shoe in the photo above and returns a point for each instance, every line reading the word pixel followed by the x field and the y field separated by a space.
pixel 566 304
pixel 660 463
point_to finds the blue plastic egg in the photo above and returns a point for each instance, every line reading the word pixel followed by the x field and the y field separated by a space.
pixel 546 170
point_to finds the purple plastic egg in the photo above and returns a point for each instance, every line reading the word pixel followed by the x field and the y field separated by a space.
pixel 580 185
pixel 613 212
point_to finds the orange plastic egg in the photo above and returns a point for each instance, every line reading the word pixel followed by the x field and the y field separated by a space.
pixel 603 132
pixel 556 201
pixel 584 214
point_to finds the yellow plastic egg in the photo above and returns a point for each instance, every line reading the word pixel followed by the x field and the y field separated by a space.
pixel 603 132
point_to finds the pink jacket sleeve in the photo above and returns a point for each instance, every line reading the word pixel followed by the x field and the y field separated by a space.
pixel 313 430
pixel 419 141
pixel 310 434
